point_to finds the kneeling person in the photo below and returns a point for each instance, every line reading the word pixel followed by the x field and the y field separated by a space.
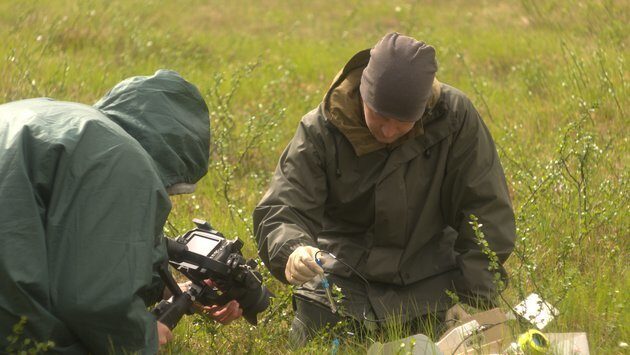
pixel 384 174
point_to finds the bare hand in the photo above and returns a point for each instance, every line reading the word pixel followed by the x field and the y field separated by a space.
pixel 224 314
pixel 164 334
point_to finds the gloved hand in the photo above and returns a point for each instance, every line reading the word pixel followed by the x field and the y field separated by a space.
pixel 301 266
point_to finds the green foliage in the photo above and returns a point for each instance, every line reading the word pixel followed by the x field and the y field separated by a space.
pixel 19 344
pixel 549 77
pixel 494 265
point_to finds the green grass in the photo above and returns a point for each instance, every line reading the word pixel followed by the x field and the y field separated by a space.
pixel 549 77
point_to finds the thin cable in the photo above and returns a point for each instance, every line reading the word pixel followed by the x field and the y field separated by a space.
pixel 367 284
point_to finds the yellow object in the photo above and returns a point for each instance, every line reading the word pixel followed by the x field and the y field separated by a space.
pixel 533 342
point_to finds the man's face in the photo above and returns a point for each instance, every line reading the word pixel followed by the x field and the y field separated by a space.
pixel 385 130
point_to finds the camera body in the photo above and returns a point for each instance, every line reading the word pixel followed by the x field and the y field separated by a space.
pixel 204 251
pixel 206 241
pixel 205 254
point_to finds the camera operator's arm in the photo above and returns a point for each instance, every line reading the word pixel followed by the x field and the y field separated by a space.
pixel 105 232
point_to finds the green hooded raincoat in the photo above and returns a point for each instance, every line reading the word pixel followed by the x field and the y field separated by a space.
pixel 83 201
pixel 398 214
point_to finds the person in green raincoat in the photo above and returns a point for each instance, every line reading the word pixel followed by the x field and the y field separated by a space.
pixel 384 175
pixel 84 195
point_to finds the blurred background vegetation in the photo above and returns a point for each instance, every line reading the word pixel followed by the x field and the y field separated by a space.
pixel 549 77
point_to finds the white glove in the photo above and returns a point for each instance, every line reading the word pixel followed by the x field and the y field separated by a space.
pixel 301 266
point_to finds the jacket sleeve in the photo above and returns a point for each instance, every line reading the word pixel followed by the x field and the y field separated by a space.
pixel 104 232
pixel 475 184
pixel 289 215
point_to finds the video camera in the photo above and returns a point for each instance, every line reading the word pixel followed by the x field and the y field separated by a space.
pixel 201 254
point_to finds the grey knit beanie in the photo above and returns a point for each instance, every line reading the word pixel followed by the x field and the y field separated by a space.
pixel 397 80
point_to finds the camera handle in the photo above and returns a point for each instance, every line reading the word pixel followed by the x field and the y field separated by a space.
pixel 169 313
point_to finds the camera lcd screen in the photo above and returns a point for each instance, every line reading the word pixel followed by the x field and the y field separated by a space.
pixel 201 245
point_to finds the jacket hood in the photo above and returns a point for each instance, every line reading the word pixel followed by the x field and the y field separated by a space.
pixel 169 118
pixel 343 107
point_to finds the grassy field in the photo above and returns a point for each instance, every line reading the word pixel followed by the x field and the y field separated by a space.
pixel 549 77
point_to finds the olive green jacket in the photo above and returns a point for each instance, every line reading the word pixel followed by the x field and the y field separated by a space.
pixel 397 213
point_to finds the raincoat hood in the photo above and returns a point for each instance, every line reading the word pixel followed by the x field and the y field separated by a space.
pixel 155 110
